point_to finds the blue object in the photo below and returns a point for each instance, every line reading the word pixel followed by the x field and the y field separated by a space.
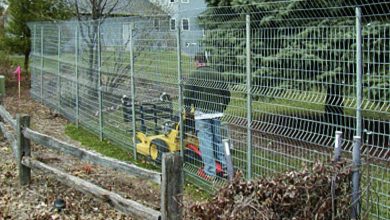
pixel 210 144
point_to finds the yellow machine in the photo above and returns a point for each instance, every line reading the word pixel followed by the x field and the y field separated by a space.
pixel 154 146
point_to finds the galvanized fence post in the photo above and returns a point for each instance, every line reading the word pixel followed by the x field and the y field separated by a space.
pixel 356 163
pixel 359 73
pixel 337 146
pixel 76 64
pixel 249 97
pixel 133 112
pixel 59 67
pixel 100 83
pixel 42 64
pixel 357 139
pixel 179 78
pixel 336 158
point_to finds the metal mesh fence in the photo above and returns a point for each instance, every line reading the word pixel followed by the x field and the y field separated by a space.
pixel 290 70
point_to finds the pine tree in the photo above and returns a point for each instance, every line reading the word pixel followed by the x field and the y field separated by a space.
pixel 303 46
pixel 20 13
pixel 297 45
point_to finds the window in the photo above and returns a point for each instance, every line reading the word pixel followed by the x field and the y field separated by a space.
pixel 156 24
pixel 185 1
pixel 171 1
pixel 173 24
pixel 186 24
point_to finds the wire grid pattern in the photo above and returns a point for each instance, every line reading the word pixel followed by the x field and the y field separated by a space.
pixel 302 65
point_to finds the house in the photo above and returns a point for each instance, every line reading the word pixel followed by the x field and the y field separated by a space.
pixel 185 14
pixel 157 17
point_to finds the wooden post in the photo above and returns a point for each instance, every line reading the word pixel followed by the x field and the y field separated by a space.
pixel 23 148
pixel 172 187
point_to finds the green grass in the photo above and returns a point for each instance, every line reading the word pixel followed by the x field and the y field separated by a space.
pixel 91 141
pixel 17 59
pixel 159 66
pixel 297 103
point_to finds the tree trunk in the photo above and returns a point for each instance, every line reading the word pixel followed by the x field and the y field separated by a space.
pixel 26 61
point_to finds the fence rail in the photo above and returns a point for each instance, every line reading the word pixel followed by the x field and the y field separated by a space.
pixel 171 178
pixel 297 71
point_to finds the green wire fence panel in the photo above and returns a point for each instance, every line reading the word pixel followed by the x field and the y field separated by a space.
pixel 286 71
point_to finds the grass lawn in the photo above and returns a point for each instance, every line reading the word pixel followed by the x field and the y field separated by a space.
pixel 17 59
pixel 161 66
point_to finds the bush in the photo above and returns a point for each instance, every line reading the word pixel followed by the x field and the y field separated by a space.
pixel 293 195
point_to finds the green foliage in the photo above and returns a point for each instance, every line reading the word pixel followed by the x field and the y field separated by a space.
pixel 298 44
pixel 21 12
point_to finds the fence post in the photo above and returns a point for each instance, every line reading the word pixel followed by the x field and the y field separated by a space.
pixel 132 78
pixel 100 84
pixel 172 187
pixel 356 177
pixel 249 97
pixel 357 142
pixel 359 73
pixel 59 67
pixel 76 63
pixel 42 64
pixel 336 158
pixel 337 146
pixel 23 148
pixel 179 78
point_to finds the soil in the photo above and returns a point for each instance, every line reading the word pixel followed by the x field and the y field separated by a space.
pixel 36 200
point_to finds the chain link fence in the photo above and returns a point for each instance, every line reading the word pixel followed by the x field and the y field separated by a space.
pixel 291 68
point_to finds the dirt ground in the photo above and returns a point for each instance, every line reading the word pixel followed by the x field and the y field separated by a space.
pixel 36 201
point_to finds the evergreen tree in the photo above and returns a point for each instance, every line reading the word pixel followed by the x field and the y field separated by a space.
pixel 21 12
pixel 298 45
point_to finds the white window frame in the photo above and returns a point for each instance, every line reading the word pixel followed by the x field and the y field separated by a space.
pixel 182 24
pixel 170 24
pixel 156 24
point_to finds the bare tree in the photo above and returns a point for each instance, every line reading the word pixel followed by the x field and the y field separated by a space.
pixel 92 14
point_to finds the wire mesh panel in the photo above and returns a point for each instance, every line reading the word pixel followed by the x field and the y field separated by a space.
pixel 300 91
pixel 156 88
pixel 66 70
pixel 115 79
pixel 35 59
pixel 281 76
pixel 375 108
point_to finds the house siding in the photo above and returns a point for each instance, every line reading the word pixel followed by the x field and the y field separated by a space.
pixel 191 10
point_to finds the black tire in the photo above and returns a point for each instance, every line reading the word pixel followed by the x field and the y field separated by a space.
pixel 162 147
